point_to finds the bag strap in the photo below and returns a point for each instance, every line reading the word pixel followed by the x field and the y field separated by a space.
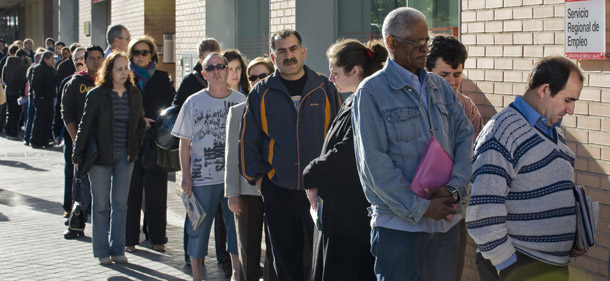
pixel 199 79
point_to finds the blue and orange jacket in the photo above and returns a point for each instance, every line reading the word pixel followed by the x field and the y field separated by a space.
pixel 278 142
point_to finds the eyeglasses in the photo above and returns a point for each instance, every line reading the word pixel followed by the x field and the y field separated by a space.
pixel 253 78
pixel 143 53
pixel 418 44
pixel 211 67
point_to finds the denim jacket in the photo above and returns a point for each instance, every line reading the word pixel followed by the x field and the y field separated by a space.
pixel 392 128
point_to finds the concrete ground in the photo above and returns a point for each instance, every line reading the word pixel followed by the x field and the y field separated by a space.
pixel 32 246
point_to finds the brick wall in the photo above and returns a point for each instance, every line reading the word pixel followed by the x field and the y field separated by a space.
pixel 160 18
pixel 282 15
pixel 190 29
pixel 504 39
pixel 129 13
pixel 84 15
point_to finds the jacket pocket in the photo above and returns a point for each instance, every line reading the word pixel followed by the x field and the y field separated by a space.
pixel 444 117
pixel 403 123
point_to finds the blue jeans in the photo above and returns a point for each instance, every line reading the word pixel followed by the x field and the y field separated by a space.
pixel 110 189
pixel 209 196
pixel 29 119
pixel 414 256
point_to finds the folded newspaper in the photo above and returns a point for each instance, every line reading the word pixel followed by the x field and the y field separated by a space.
pixel 587 213
pixel 193 209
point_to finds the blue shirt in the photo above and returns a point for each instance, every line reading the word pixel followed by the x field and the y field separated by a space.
pixel 534 118
pixel 418 82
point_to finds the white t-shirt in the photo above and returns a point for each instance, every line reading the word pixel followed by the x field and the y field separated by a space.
pixel 202 120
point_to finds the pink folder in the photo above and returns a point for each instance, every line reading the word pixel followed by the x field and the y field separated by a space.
pixel 434 170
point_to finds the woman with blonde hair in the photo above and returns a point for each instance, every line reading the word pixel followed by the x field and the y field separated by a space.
pixel 114 116
pixel 341 247
pixel 157 95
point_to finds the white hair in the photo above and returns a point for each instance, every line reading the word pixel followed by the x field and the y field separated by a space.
pixel 400 19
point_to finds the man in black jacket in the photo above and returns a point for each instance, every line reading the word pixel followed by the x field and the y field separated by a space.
pixel 44 89
pixel 72 106
pixel 194 82
pixel 13 75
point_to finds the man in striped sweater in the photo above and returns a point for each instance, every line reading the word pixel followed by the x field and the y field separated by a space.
pixel 522 211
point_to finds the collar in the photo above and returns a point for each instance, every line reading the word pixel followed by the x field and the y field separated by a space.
pixel 313 80
pixel 400 77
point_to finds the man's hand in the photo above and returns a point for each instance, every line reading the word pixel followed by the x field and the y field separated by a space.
pixel 575 252
pixel 187 184
pixel 438 192
pixel 149 123
pixel 312 195
pixel 234 205
pixel 258 184
pixel 76 166
pixel 440 207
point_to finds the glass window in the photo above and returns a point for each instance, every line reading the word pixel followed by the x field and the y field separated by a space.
pixel 253 28
pixel 442 16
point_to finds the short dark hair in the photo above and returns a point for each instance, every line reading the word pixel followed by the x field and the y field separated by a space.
pixel 73 46
pixel 12 49
pixel 49 39
pixel 59 43
pixel 20 53
pixel 93 48
pixel 552 70
pixel 285 33
pixel 449 49
pixel 232 55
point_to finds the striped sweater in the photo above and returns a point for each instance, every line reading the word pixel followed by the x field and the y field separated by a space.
pixel 522 196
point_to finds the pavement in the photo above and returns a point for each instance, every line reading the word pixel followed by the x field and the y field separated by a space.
pixel 32 246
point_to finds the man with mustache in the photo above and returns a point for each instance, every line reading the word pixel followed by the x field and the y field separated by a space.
pixel 396 113
pixel 285 121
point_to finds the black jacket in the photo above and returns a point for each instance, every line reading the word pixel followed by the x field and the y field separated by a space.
pixel 13 75
pixel 43 82
pixel 98 120
pixel 64 68
pixel 342 251
pixel 191 83
pixel 73 97
pixel 158 95
pixel 276 140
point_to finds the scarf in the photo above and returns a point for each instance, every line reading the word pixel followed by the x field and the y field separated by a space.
pixel 143 74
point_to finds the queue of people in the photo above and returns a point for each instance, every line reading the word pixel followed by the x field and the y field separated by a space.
pixel 265 144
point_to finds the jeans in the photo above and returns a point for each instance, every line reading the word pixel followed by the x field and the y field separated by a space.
pixel 208 197
pixel 416 256
pixel 29 122
pixel 109 192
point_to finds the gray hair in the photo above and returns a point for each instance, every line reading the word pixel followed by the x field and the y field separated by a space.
pixel 78 50
pixel 208 45
pixel 399 19
pixel 209 57
pixel 114 32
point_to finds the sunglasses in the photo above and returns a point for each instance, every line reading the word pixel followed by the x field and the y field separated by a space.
pixel 260 76
pixel 211 67
pixel 143 53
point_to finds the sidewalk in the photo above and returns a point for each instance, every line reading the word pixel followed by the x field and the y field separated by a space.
pixel 32 246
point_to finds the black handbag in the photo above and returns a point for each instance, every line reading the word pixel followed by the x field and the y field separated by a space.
pixel 77 219
pixel 154 157
pixel 90 156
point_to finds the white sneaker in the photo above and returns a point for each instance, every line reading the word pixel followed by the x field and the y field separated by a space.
pixel 105 261
pixel 119 259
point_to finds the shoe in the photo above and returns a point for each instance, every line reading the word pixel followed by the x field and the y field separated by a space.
pixel 12 138
pixel 159 248
pixel 119 259
pixel 72 234
pixel 105 261
pixel 26 143
pixel 130 249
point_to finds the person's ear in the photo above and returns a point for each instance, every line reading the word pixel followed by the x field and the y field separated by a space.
pixel 203 74
pixel 390 41
pixel 357 70
pixel 543 90
pixel 272 55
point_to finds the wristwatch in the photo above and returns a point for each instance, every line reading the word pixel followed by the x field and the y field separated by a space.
pixel 454 193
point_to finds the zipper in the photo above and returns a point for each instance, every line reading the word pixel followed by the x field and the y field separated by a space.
pixel 298 146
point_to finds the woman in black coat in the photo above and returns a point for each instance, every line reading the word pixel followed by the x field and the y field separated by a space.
pixel 341 248
pixel 43 88
pixel 157 94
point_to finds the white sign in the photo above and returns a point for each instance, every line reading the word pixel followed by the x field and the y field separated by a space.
pixel 585 29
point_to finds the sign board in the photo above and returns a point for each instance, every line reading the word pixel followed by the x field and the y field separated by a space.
pixel 585 29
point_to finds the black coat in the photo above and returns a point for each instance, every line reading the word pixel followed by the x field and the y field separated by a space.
pixel 158 95
pixel 191 83
pixel 342 248
pixel 64 68
pixel 43 82
pixel 13 74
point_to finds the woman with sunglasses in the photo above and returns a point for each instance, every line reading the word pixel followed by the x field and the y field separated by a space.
pixel 237 76
pixel 245 200
pixel 114 116
pixel 157 94
pixel 258 69
pixel 341 248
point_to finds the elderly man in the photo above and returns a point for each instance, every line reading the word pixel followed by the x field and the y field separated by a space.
pixel 286 118
pixel 118 38
pixel 396 112
pixel 521 213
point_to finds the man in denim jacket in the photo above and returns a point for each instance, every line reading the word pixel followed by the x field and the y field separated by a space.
pixel 396 111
